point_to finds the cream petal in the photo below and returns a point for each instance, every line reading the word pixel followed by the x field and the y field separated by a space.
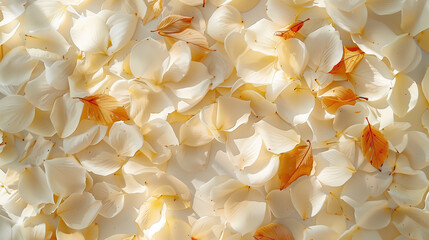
pixel 322 129
pixel 16 113
pixel 207 227
pixel 410 222
pixel 42 124
pixel 317 80
pixel 194 84
pixel 414 18
pixel 256 68
pixel 245 210
pixel 223 21
pixel 425 84
pixel 281 12
pixel 5 227
pixel 46 44
pixel 364 185
pixel 401 52
pixel 307 196
pixel 42 14
pixel 397 136
pixel 425 120
pixel 293 57
pixel 375 36
pixel 79 210
pixel 122 28
pixel 33 186
pixel 383 7
pixel 235 45
pixel 295 104
pixel 243 146
pixel 346 6
pixel 41 94
pixel 278 137
pixel 334 176
pixel 87 133
pixel 160 136
pixel 16 67
pixel 423 40
pixel 128 6
pixel 90 34
pixel 11 10
pixel 65 176
pixel 36 151
pixel 193 159
pixel 325 48
pixel 404 95
pixel 260 36
pixel 404 196
pixel 371 78
pixel 219 65
pixel 125 139
pixel 173 228
pixel 179 62
pixel 416 150
pixel 261 171
pixel 373 215
pixel 111 197
pixel 241 5
pixel 65 115
pixel 8 31
pixel 57 72
pixel 194 133
pixel 100 159
pixel 352 21
pixel 231 113
pixel 144 67
pixel 317 232
pixel 349 115
pixel 280 203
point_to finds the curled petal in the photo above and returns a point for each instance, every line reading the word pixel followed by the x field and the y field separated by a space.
pixel 16 113
pixel 224 20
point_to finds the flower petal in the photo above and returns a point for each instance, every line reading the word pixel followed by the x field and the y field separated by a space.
pixel 16 113
pixel 34 188
pixel 373 215
pixel 143 67
pixel 65 115
pixel 122 28
pixel 111 197
pixel 46 44
pixel 401 52
pixel 100 159
pixel 178 63
pixel 223 21
pixel 404 95
pixel 59 172
pixel 307 196
pixel 293 57
pixel 16 67
pixel 90 34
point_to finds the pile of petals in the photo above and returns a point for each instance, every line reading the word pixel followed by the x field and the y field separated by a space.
pixel 214 120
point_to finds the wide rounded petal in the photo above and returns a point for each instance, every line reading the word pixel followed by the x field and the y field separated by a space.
pixel 256 68
pixel 413 16
pixel 41 94
pixel 111 197
pixel 16 113
pixel 65 176
pixel 349 115
pixel 334 176
pixel 193 159
pixel 223 21
pixel 281 12
pixel 260 36
pixel 194 133
pixel 307 196
pixel 16 67
pixel 79 210
pixel 417 150
pixel 87 133
pixel 46 44
pixel 265 167
pixel 243 146
pixel 33 186
pixel 401 52
pixel 363 185
pixel 122 27
pixel 411 222
pixel 293 57
pixel 404 95
pixel 125 139
pixel 383 7
pixel 90 34
pixel 100 159
pixel 373 215
pixel 425 84
pixel 352 21
pixel 321 232
pixel 65 115
pixel 178 63
pixel 280 203
pixel 144 67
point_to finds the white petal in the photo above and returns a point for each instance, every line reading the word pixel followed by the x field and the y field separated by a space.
pixel 261 171
pixel 307 196
pixel 281 12
pixel 397 136
pixel 111 197
pixel 125 139
pixel 322 129
pixel 423 40
pixel 349 115
pixel 173 228
pixel 144 67
pixel 235 45
pixel 8 31
pixel 223 21
pixel 401 52
pixel 65 176
pixel 193 159
pixel 280 203
pixel 404 196
pixel 194 133
pixel 425 120
pixel 245 210
pixel 411 222
pixel 33 186
pixel 57 72
pixel 425 84
pixel 16 113
pixel 42 124
pixel 383 7
pixel 46 44
pixel 16 67
pixel 100 159
pixel 36 151
pixel 293 57
pixel 79 210
pixel 42 14
pixel 256 68
pixel 87 133
pixel 334 176
pixel 325 48
pixel 122 28
pixel 243 146
pixel 207 227
pixel 319 232
pixel 352 21
pixel 41 94
pixel 90 34
pixel 178 63
pixel 414 18
pixel 364 185
pixel 404 95
pixel 219 65
pixel 295 104
pixel 231 113
pixel 65 115
pixel 11 10
pixel 373 215
pixel 416 150
pixel 278 137
pixel 241 5
pixel 317 80
pixel 371 78
pixel 260 36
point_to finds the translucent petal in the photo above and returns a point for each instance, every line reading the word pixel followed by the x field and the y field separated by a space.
pixel 243 147
pixel 278 137
pixel 241 5
pixel 194 133
pixel 261 171
pixel 235 45
pixel 416 150
pixel 65 115
pixel 33 186
pixel 307 196
pixel 207 227
pixel 245 210
pixel 411 222
pixel 46 44
pixel 42 124
pixel 349 115
pixel 364 185
pixel 193 159
pixel 404 95
pixel 425 120
pixel 125 139
pixel 60 171
pixel 281 12
pixel 36 151
pixel 352 21
pixel 8 31
pixel 295 104
pixel 423 40
pixel 100 159
pixel 79 210
pixel 231 113
pixel 178 63
pixel 87 133
pixel 122 28
pixel 414 18
pixel 57 72
pixel 383 7
pixel 373 215
pixel 260 36
pixel 401 52
pixel 293 57
pixel 174 228
pixel 41 94
pixel 16 67
pixel 334 176
pixel 152 217
pixel 223 21
pixel 16 113
pixel 42 14
pixel 90 34
pixel 144 67
pixel 325 48
pixel 111 197
pixel 256 68
pixel 11 10
pixel 219 65
pixel 425 84
pixel 280 203
pixel 317 232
